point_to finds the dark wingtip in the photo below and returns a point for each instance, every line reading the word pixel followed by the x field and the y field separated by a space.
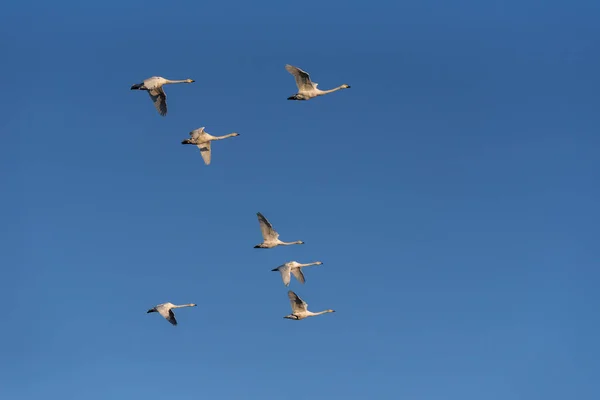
pixel 276 269
pixel 257 247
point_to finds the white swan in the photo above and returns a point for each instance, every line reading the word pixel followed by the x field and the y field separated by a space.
pixel 166 310
pixel 294 268
pixel 306 88
pixel 203 139
pixel 154 87
pixel 300 308
pixel 270 236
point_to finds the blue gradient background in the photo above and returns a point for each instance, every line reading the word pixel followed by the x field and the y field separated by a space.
pixel 452 194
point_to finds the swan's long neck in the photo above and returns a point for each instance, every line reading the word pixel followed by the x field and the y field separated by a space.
pixel 321 92
pixel 184 305
pixel 290 243
pixel 181 81
pixel 309 264
pixel 224 136
pixel 320 312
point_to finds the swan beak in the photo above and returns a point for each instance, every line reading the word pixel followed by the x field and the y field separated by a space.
pixel 348 87
pixel 195 81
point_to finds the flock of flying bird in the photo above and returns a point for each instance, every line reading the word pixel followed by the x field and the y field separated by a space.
pixel 307 90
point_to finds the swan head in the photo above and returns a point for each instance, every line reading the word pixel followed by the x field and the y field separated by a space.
pixel 330 310
pixel 193 305
pixel 190 80
pixel 319 263
pixel 235 134
pixel 346 86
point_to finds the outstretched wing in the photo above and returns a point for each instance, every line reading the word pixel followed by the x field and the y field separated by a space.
pixel 205 152
pixel 298 274
pixel 285 274
pixel 266 228
pixel 167 313
pixel 298 305
pixel 159 98
pixel 196 133
pixel 302 78
pixel 171 318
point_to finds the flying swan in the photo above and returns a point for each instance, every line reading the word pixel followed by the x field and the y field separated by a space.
pixel 270 236
pixel 294 268
pixel 166 310
pixel 306 88
pixel 300 308
pixel 154 87
pixel 203 139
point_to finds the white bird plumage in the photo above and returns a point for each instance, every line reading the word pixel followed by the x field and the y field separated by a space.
pixel 270 236
pixel 300 308
pixel 166 310
pixel 293 268
pixel 154 86
pixel 307 89
pixel 202 139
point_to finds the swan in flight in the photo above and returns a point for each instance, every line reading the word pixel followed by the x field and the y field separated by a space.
pixel 154 87
pixel 203 139
pixel 270 236
pixel 294 268
pixel 300 308
pixel 306 88
pixel 166 310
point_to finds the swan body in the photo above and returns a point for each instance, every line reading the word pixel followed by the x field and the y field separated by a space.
pixel 203 139
pixel 154 86
pixel 300 308
pixel 293 268
pixel 166 310
pixel 307 89
pixel 270 236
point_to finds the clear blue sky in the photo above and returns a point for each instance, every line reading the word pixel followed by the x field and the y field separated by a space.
pixel 452 194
